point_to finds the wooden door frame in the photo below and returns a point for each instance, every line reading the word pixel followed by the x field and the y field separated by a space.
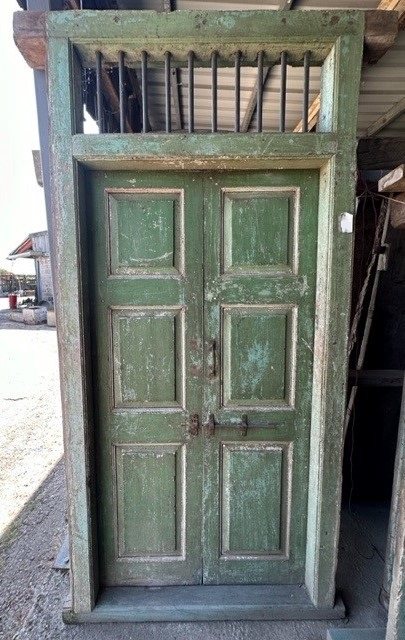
pixel 331 150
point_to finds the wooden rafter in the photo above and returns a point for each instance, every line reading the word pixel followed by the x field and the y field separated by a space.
pixel 380 34
pixel 284 5
pixel 389 116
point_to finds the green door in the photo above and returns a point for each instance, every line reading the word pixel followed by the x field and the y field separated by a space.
pixel 202 312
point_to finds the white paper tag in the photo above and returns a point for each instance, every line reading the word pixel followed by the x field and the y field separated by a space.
pixel 346 222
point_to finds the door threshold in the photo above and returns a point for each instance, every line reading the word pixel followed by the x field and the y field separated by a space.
pixel 199 603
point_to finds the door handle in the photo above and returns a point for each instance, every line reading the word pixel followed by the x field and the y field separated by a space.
pixel 213 356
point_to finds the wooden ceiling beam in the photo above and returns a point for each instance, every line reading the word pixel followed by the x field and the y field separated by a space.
pixel 30 38
pixel 386 118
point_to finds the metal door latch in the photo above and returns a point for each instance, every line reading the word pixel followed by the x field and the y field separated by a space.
pixel 244 425
pixel 193 424
pixel 210 426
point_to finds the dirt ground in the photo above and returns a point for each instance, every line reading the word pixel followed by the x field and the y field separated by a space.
pixel 33 520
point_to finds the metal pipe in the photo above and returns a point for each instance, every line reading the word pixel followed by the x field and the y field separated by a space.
pixel 99 94
pixel 168 95
pixel 214 80
pixel 191 91
pixel 121 85
pixel 260 91
pixel 144 82
pixel 237 91
pixel 283 89
pixel 305 102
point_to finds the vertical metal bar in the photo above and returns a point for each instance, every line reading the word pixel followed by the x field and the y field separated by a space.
pixel 305 101
pixel 99 63
pixel 283 89
pixel 121 85
pixel 260 91
pixel 168 94
pixel 214 91
pixel 190 91
pixel 237 91
pixel 144 81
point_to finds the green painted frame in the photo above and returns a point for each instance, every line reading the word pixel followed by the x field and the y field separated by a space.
pixel 331 149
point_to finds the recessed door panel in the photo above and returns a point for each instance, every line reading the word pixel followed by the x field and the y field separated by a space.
pixel 255 496
pixel 260 266
pixel 259 230
pixel 147 356
pixel 150 495
pixel 145 231
pixel 258 355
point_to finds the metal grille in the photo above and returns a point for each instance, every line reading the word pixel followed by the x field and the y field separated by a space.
pixel 144 97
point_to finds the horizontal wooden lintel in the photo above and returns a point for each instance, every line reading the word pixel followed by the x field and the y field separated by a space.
pixel 280 30
pixel 204 150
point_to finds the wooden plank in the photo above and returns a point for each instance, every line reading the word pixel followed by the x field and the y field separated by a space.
pixel 244 602
pixel 29 36
pixel 380 34
pixel 69 286
pixel 340 83
pixel 175 151
pixel 389 116
pixel 377 377
pixel 252 104
pixel 394 181
pixel 380 153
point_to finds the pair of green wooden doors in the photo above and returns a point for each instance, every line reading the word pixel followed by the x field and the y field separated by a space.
pixel 203 305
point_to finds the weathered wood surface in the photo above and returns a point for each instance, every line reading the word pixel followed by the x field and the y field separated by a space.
pixel 380 34
pixel 69 249
pixel 137 604
pixel 393 181
pixel 335 154
pixel 339 95
pixel 29 36
pixel 202 151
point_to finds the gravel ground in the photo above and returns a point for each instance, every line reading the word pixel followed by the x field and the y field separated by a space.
pixel 33 525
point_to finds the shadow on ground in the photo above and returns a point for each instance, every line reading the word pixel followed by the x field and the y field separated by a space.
pixel 33 593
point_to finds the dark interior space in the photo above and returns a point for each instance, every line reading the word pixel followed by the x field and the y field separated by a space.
pixel 372 430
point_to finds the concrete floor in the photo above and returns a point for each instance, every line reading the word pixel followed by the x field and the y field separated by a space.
pixel 32 592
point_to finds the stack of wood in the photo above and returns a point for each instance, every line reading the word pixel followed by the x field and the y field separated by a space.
pixel 394 183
